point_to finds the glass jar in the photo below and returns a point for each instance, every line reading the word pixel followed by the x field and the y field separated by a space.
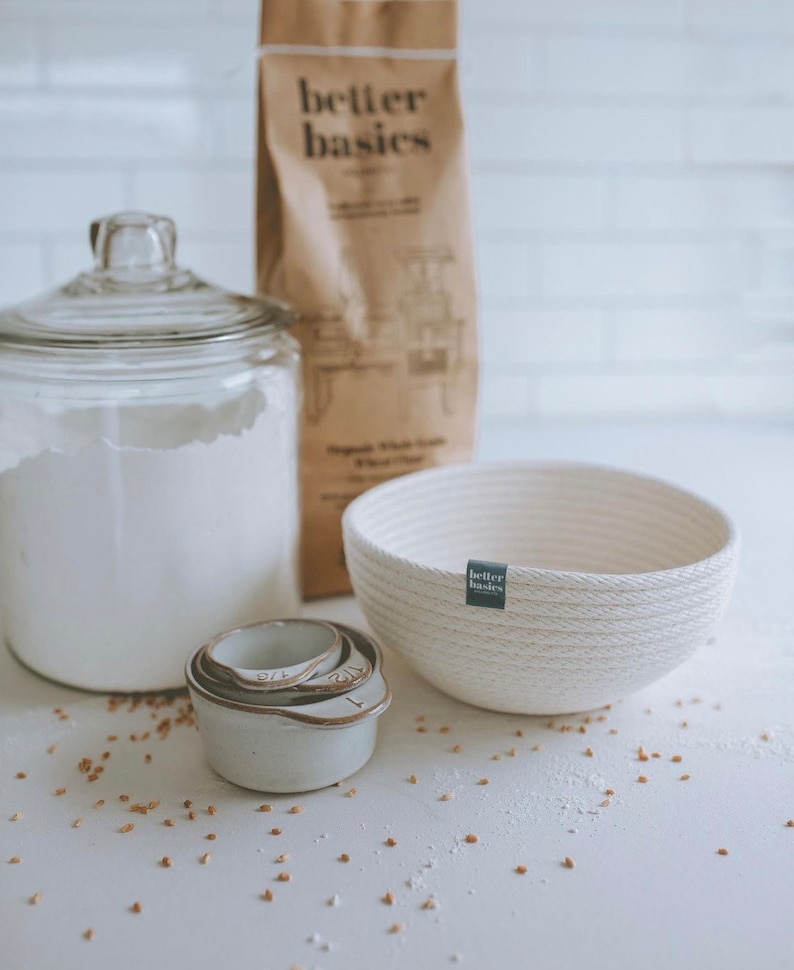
pixel 148 465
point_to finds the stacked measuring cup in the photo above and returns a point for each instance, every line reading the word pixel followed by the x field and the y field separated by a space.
pixel 288 705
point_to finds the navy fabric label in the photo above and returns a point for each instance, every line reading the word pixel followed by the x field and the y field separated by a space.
pixel 486 583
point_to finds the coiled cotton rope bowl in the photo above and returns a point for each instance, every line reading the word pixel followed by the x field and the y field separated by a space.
pixel 613 579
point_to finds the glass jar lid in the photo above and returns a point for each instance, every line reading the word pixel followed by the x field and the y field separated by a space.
pixel 137 298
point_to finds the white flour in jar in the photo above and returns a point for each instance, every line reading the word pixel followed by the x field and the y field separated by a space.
pixel 117 561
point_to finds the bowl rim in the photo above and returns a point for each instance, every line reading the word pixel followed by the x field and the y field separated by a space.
pixel 538 576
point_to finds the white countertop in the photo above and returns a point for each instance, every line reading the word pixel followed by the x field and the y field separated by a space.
pixel 648 889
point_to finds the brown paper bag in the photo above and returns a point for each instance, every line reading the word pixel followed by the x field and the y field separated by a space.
pixel 363 224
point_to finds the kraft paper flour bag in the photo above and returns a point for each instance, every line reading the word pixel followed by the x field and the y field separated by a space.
pixel 363 224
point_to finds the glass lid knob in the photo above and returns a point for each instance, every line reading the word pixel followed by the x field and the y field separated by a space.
pixel 134 242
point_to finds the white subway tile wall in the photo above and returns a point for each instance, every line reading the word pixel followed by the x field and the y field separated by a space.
pixel 633 180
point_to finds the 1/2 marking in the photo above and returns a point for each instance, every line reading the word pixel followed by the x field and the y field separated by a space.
pixel 345 675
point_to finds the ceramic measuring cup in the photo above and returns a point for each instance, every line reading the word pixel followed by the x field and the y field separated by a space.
pixel 274 654
pixel 291 748
pixel 353 669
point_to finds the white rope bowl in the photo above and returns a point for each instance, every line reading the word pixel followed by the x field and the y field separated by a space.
pixel 613 579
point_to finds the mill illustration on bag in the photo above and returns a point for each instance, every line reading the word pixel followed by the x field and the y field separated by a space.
pixel 363 224
pixel 415 342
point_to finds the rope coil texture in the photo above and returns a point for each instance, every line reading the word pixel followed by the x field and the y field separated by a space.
pixel 613 579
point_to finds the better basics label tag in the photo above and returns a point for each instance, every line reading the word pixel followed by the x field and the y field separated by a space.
pixel 486 583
